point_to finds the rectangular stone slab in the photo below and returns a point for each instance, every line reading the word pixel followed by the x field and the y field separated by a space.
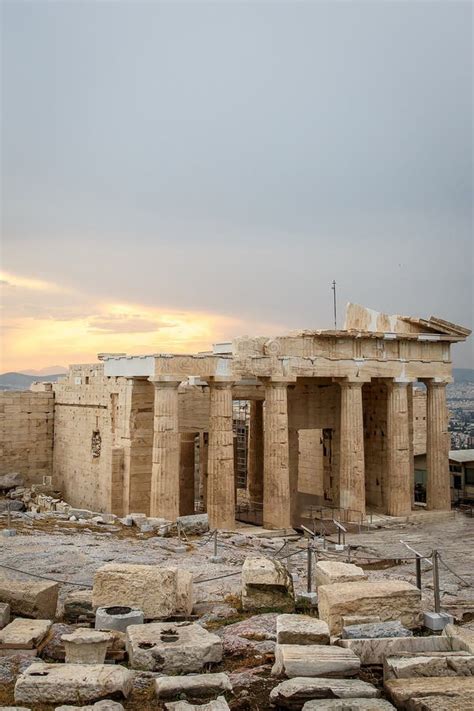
pixel 389 599
pixel 158 592
pixel 316 660
pixel 461 638
pixel 373 651
pixel 44 683
pixel 328 572
pixel 24 633
pixel 301 629
pixel 402 691
pixel 193 685
pixel 348 705
pixel 28 599
pixel 407 666
pixel 293 693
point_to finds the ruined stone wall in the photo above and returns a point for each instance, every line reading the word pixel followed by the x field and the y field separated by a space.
pixel 26 434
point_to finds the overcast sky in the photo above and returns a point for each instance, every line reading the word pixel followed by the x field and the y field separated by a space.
pixel 176 173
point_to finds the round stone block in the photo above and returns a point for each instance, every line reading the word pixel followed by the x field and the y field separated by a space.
pixel 117 618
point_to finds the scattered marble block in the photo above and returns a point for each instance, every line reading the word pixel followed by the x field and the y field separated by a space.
pixel 328 572
pixel 266 584
pixel 220 704
pixel 461 639
pixel 301 629
pixel 406 665
pixel 375 630
pixel 28 599
pixel 158 592
pixel 172 647
pixel 293 660
pixel 373 651
pixel 437 621
pixel 105 705
pixel 193 525
pixel 194 685
pixel 117 618
pixel 78 606
pixel 4 614
pixel 86 646
pixel 23 634
pixel 348 705
pixel 293 693
pixel 389 599
pixel 403 691
pixel 44 683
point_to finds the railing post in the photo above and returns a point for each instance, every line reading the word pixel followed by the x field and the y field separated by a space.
pixel 418 571
pixel 437 602
pixel 310 566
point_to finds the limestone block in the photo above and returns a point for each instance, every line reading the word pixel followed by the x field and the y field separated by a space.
pixel 172 647
pixel 404 666
pixel 117 618
pixel 86 646
pixel 349 620
pixel 349 705
pixel 403 691
pixel 293 693
pixel 10 481
pixel 328 572
pixel 194 525
pixel 24 633
pixel 158 592
pixel 220 704
pixel 439 703
pixel 28 599
pixel 266 583
pixel 294 660
pixel 373 651
pixel 461 638
pixel 105 705
pixel 194 685
pixel 78 606
pixel 389 599
pixel 44 683
pixel 4 614
pixel 375 630
pixel 301 629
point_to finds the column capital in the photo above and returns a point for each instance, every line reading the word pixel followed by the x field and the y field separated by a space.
pixel 437 382
pixel 220 382
pixel 345 383
pixel 164 381
pixel 279 381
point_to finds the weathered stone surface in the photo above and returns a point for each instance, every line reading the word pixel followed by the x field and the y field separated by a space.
pixel 389 599
pixel 10 481
pixel 301 629
pixel 266 584
pixel 4 614
pixel 294 660
pixel 214 611
pixel 86 646
pixel 117 618
pixel 373 651
pixel 78 606
pixel 27 599
pixel 105 705
pixel 348 705
pixel 256 635
pixel 439 703
pixel 193 525
pixel 172 647
pixel 159 592
pixel 293 693
pixel 14 708
pixel 220 704
pixel 193 686
pixel 403 691
pixel 375 630
pixel 328 572
pixel 63 683
pixel 23 633
pixel 405 666
pixel 461 638
pixel 9 505
pixel 348 620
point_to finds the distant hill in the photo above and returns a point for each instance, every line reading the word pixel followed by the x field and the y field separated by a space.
pixel 463 375
pixel 20 381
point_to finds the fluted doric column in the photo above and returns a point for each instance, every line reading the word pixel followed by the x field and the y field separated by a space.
pixel 164 497
pixel 276 470
pixel 186 474
pixel 351 449
pixel 220 480
pixel 203 473
pixel 438 488
pixel 398 482
pixel 255 452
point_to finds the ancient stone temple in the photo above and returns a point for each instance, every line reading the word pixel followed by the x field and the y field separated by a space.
pixel 332 418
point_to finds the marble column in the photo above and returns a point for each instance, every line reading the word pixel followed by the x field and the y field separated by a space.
pixel 276 472
pixel 186 474
pixel 351 449
pixel 398 484
pixel 255 453
pixel 164 497
pixel 438 487
pixel 220 480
